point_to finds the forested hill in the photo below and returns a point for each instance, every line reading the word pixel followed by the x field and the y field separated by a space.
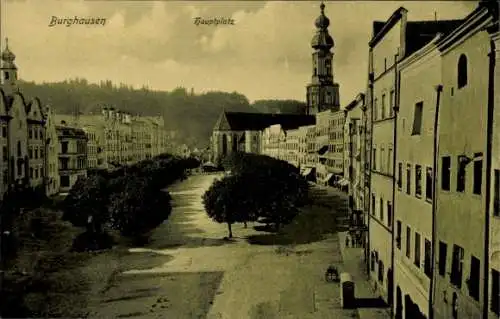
pixel 191 115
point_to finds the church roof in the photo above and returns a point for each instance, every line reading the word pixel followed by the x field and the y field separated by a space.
pixel 241 121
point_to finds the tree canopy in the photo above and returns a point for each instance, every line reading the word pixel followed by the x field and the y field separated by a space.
pixel 258 187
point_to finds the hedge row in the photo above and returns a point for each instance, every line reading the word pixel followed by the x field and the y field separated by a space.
pixel 257 187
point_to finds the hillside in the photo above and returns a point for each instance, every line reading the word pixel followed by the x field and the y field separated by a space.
pixel 192 115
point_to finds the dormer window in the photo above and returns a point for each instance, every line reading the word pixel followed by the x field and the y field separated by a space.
pixel 462 71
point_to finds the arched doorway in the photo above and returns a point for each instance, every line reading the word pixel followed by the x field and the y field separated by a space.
pixel 224 144
pixel 390 289
pixel 399 304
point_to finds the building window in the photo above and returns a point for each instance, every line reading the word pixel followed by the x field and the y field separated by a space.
pixel 381 209
pixel 19 149
pixel 36 133
pixel 408 179
pixel 496 194
pixel 30 133
pixel 478 174
pixel 443 251
pixel 445 173
pixel 416 260
pixel 473 281
pixel 65 181
pixel 382 159
pixel 375 109
pixel 495 292
pixel 30 153
pixel 398 234
pixel 428 183
pixel 392 103
pixel 418 180
pixel 462 71
pixel 373 204
pixel 36 173
pixel 389 214
pixel 36 153
pixel 5 154
pixel 389 161
pixel 400 175
pixel 408 241
pixel 64 147
pixel 417 119
pixel 372 261
pixel 457 266
pixel 4 131
pixel 31 172
pixel 461 175
pixel 383 107
pixel 374 164
pixel 428 258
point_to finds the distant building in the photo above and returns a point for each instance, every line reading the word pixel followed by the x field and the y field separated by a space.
pixel 118 138
pixel 72 155
pixel 329 146
pixel 234 129
pixel 353 142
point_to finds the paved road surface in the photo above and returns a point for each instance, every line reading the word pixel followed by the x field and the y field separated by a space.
pixel 188 271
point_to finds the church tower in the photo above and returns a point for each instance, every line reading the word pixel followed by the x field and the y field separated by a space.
pixel 322 92
pixel 8 70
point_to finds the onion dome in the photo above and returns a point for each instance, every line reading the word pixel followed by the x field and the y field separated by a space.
pixel 322 22
pixel 7 55
pixel 322 40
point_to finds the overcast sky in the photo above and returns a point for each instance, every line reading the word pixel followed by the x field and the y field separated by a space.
pixel 266 54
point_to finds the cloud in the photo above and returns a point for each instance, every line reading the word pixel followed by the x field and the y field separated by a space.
pixel 266 54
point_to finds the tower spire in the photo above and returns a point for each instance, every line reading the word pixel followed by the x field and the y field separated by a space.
pixel 323 92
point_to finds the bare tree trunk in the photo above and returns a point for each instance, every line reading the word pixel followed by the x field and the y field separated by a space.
pixel 230 230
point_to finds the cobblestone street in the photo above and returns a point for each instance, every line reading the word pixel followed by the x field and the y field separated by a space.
pixel 187 271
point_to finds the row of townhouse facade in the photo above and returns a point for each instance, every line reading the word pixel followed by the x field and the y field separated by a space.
pixel 51 151
pixel 32 144
pixel 118 138
pixel 428 175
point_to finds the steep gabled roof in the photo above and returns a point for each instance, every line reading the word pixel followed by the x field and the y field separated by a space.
pixel 419 33
pixel 240 121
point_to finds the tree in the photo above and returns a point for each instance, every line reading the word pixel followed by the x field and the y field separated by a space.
pixel 219 203
pixel 85 205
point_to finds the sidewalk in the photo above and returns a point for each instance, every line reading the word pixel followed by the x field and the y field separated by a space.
pixel 352 261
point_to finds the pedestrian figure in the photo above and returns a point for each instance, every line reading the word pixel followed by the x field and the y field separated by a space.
pixel 347 241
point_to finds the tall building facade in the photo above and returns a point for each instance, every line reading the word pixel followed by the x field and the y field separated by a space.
pixel 462 222
pixel 322 92
pixel 420 75
pixel 493 268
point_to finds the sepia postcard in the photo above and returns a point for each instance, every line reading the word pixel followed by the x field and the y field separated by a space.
pixel 249 159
